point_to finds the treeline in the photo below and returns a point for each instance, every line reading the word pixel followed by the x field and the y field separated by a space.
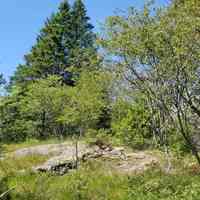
pixel 61 84
pixel 138 82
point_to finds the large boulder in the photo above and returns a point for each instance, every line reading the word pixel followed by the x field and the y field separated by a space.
pixel 63 157
pixel 67 160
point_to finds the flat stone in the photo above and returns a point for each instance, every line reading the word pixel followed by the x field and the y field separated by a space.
pixel 63 157
pixel 54 149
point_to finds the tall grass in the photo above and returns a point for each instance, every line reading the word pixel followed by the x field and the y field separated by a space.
pixel 94 181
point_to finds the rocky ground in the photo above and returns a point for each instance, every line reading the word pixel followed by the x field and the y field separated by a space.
pixel 63 157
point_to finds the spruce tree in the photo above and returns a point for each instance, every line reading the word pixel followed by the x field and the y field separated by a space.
pixel 49 56
pixel 64 45
pixel 83 36
pixel 83 48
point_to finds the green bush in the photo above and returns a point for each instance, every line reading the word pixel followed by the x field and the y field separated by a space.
pixel 130 122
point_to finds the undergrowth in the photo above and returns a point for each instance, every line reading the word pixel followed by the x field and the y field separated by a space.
pixel 93 181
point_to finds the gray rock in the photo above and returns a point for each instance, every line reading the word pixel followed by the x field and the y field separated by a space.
pixel 53 149
pixel 63 157
pixel 64 162
pixel 61 164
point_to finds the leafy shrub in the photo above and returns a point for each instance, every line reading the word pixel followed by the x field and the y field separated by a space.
pixel 130 122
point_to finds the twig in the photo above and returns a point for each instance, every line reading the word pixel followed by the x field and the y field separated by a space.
pixel 6 192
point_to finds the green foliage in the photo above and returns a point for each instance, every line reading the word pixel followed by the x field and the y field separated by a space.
pixel 103 135
pixel 157 53
pixel 86 100
pixel 131 122
pixel 41 106
pixel 12 126
pixel 48 56
pixel 66 41
pixel 48 108
pixel 154 53
pixel 82 38
pixel 39 90
pixel 33 113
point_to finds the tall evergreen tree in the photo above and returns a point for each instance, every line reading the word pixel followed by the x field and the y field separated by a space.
pixel 51 52
pixel 65 41
pixel 83 48
pixel 83 36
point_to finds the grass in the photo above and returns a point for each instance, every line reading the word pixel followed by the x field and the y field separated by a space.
pixel 93 181
pixel 10 166
pixel 90 182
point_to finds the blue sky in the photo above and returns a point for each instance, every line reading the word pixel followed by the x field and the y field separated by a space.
pixel 21 21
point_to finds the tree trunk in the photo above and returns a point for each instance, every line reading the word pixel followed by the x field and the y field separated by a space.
pixel 188 139
pixel 76 153
pixel 76 147
pixel 168 158
pixel 43 125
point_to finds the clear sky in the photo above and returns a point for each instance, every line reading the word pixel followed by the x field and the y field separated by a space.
pixel 21 21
